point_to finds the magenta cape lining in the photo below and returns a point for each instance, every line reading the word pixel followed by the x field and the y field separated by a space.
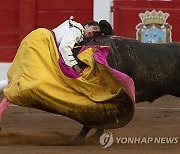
pixel 100 56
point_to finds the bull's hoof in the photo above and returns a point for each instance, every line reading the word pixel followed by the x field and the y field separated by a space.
pixel 80 137
pixel 94 139
pixel 82 134
pixel 77 140
pixel 98 133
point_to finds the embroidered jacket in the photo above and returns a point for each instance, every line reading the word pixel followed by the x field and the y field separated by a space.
pixel 67 34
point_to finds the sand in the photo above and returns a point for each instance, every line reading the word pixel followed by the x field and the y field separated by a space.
pixel 30 131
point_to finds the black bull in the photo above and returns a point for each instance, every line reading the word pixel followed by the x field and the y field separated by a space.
pixel 155 68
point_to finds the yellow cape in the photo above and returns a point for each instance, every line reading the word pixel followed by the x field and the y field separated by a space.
pixel 95 98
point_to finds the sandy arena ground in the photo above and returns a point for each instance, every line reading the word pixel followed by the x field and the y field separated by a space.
pixel 30 131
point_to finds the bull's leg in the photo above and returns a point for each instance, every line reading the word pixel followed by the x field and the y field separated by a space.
pixel 3 105
pixel 82 134
pixel 98 133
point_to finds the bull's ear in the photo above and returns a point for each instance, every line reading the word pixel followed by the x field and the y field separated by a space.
pixel 106 28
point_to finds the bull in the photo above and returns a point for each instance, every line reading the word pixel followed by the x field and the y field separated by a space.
pixel 155 68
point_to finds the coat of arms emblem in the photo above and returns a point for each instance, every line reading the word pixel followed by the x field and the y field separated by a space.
pixel 154 28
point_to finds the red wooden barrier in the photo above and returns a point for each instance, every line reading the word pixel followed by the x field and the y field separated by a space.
pixel 27 17
pixel 19 17
pixel 126 15
pixel 8 29
pixel 51 13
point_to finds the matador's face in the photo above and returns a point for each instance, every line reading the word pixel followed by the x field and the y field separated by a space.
pixel 91 31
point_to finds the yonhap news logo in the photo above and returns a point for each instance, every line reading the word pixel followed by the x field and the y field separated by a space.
pixel 106 140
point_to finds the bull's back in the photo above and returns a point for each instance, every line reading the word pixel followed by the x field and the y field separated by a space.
pixel 153 67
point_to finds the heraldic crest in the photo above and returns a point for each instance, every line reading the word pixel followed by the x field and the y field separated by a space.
pixel 154 28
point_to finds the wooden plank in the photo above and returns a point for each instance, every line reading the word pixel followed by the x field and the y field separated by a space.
pixel 27 17
pixel 9 17
pixel 7 54
pixel 10 14
pixel 8 40
pixel 59 17
pixel 60 10
pixel 146 4
pixel 43 5
pixel 9 4
pixel 9 26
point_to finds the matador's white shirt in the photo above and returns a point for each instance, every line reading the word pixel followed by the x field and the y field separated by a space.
pixel 67 34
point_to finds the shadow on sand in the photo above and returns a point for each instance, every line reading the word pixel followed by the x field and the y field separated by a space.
pixel 41 139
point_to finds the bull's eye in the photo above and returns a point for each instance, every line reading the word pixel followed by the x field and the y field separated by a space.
pixel 155 34
pixel 146 34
